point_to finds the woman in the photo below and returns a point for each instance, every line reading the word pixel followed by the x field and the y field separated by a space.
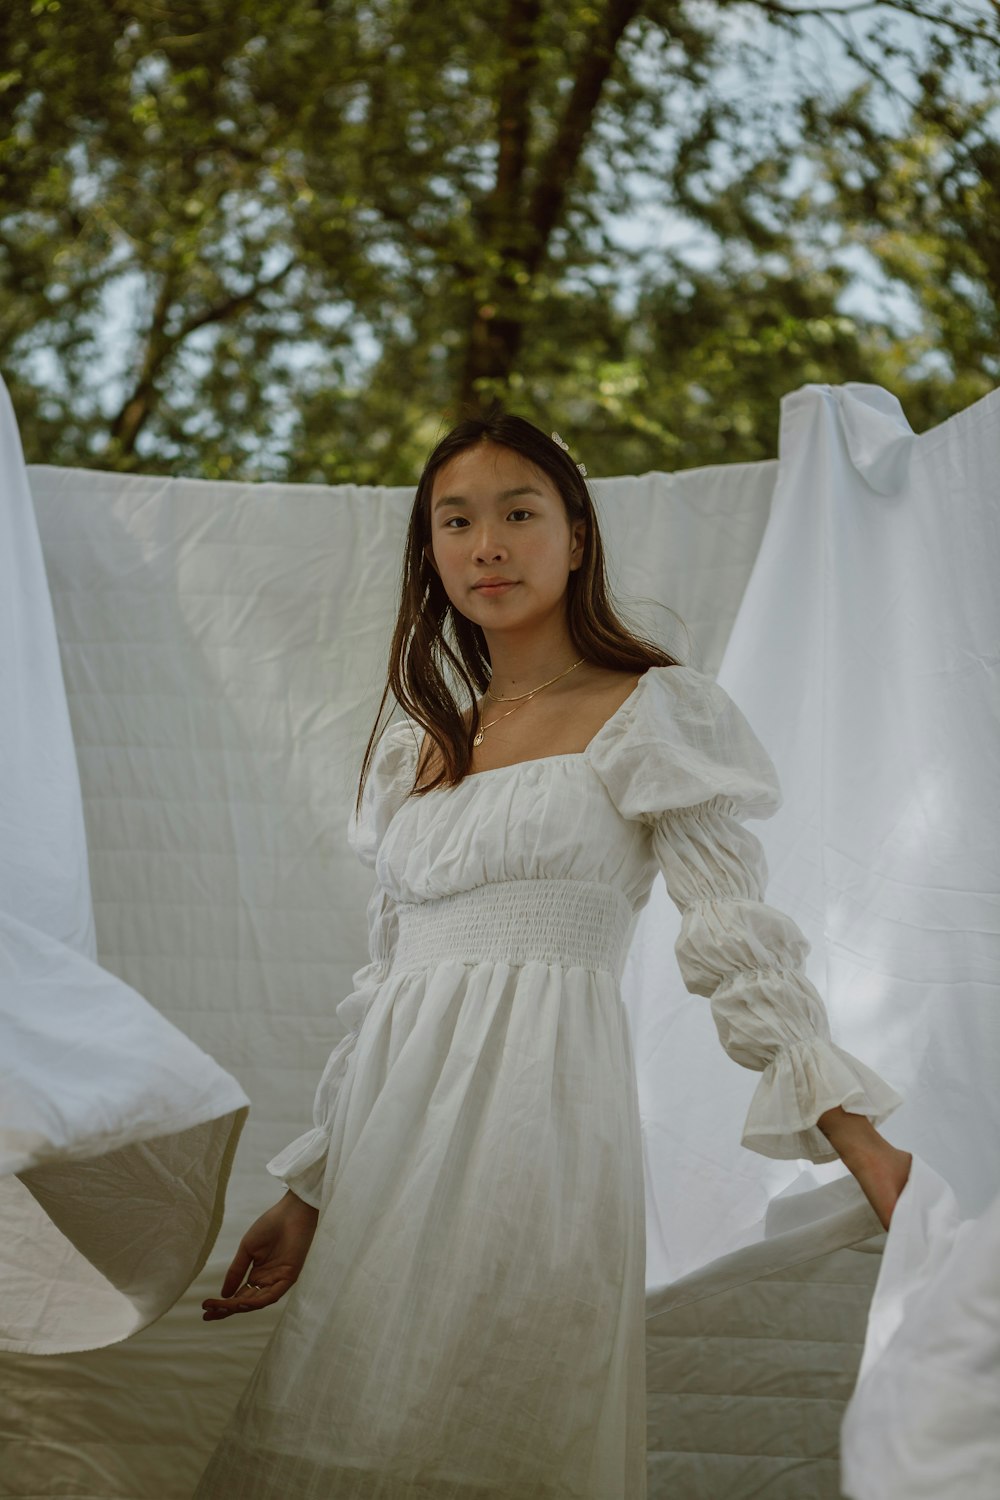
pixel 464 1224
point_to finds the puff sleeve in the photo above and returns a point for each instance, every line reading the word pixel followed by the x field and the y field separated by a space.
pixel 302 1164
pixel 689 765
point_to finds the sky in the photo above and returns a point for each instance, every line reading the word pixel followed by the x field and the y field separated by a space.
pixel 814 58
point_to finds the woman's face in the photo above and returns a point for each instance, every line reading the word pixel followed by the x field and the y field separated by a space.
pixel 492 513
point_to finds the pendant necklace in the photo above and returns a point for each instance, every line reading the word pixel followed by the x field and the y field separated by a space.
pixel 478 740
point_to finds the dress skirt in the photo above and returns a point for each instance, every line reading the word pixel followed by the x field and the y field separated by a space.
pixel 469 1322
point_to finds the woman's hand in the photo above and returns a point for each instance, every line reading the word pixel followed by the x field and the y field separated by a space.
pixel 882 1170
pixel 275 1246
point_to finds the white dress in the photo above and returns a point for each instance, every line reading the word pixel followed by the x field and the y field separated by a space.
pixel 469 1322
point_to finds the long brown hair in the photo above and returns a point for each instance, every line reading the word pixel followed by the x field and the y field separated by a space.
pixel 427 618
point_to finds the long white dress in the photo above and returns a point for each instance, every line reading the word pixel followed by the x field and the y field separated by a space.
pixel 469 1322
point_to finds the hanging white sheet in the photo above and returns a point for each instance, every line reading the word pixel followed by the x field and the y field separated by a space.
pixel 220 644
pixel 116 1132
pixel 866 655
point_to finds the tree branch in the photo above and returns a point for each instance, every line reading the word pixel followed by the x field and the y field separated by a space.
pixel 220 312
pixel 835 12
pixel 549 197
pixel 520 65
pixel 161 345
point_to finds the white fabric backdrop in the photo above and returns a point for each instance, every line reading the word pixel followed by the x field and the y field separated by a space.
pixel 120 1130
pixel 220 644
pixel 868 651
pixel 866 655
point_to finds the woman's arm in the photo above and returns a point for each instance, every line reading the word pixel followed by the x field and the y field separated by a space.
pixel 881 1169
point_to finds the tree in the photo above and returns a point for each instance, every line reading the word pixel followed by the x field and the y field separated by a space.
pixel 922 198
pixel 320 226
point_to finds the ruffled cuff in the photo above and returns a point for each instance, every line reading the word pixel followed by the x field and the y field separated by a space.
pixel 800 1083
pixel 301 1166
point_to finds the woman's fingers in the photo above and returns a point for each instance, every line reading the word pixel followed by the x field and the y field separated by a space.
pixel 244 1300
pixel 269 1257
pixel 236 1275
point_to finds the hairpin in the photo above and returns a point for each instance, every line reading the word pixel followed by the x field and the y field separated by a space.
pixel 565 447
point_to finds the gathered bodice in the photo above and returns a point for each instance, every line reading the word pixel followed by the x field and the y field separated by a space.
pixel 548 819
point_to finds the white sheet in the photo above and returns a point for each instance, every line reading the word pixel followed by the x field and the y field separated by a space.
pixel 868 652
pixel 116 1131
pixel 866 655
pixel 922 1423
pixel 221 646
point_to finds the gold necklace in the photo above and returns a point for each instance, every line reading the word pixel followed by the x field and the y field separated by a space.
pixel 519 699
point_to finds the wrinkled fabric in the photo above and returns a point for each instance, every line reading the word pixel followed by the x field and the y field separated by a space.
pixel 866 653
pixel 117 1132
pixel 220 643
pixel 224 647
pixel 479 1259
pixel 747 958
pixel 922 1422
pixel 666 747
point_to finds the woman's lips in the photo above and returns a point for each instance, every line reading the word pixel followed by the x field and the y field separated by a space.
pixel 495 588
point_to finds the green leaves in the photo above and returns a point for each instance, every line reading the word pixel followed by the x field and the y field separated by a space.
pixel 246 238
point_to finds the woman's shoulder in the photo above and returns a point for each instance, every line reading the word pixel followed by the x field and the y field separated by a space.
pixel 660 697
pixel 389 779
pixel 679 740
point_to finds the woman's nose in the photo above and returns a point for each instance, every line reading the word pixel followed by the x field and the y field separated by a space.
pixel 488 546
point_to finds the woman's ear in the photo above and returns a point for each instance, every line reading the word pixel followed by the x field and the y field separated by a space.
pixel 579 536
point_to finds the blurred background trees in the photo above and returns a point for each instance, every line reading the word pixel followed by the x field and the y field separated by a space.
pixel 251 239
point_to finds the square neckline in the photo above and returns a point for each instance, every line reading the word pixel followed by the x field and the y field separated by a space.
pixel 537 760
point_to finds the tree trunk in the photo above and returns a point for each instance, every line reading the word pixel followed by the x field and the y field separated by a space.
pixel 519 222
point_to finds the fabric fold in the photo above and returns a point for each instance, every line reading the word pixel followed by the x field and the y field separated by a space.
pixel 681 741
pixel 799 1084
pixel 748 959
pixel 683 759
pixel 301 1165
pixel 117 1131
pixel 921 1422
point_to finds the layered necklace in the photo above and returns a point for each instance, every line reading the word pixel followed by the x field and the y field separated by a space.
pixel 520 698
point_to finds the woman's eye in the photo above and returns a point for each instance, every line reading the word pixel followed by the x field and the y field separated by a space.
pixel 519 512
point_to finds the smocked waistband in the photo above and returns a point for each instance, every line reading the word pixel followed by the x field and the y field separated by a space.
pixel 573 923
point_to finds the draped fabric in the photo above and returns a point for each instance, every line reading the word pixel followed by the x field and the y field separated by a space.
pixel 117 1132
pixel 220 647
pixel 922 1419
pixel 478 1262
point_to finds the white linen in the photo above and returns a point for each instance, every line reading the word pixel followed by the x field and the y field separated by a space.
pixel 116 1132
pixel 220 644
pixel 867 656
pixel 922 1421
pixel 864 653
pixel 750 1360
pixel 480 1248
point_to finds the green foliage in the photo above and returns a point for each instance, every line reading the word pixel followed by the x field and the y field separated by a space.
pixel 248 239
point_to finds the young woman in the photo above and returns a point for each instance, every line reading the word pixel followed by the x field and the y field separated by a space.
pixel 463 1227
